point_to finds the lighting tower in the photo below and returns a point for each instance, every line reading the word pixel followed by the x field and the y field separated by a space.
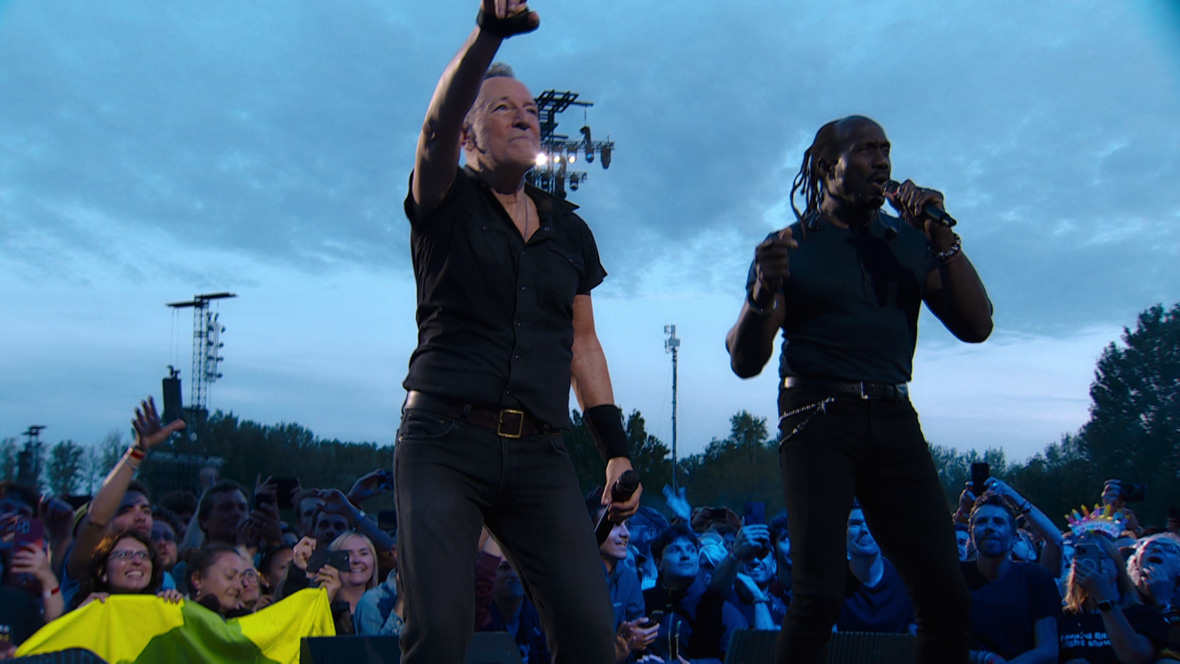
pixel 28 461
pixel 207 344
pixel 558 152
pixel 672 345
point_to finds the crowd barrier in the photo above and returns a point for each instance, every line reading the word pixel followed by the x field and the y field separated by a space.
pixel 748 646
pixel 486 648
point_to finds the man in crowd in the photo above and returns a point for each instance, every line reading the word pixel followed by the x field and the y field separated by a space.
pixel 1014 606
pixel 781 537
pixel 698 622
pixel 505 325
pixel 875 598
pixel 746 574
pixel 845 284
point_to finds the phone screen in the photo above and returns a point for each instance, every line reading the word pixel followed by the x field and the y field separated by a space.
pixel 29 531
pixel 979 474
pixel 1088 557
pixel 283 488
pixel 755 514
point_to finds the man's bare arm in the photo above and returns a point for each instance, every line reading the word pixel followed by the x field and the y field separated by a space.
pixel 439 143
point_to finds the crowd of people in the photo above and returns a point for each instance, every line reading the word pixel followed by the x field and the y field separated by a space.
pixel 682 580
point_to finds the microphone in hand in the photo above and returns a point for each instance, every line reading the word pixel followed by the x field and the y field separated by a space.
pixel 892 187
pixel 621 492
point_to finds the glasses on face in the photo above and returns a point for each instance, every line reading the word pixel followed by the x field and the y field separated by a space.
pixel 124 554
pixel 250 576
pixel 163 536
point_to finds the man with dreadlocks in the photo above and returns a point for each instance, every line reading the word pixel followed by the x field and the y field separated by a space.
pixel 845 284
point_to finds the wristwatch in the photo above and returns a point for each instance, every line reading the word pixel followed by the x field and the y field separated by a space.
pixel 1105 605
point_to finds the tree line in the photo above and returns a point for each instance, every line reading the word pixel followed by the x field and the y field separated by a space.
pixel 1132 434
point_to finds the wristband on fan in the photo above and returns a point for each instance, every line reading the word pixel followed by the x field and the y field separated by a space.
pixel 605 424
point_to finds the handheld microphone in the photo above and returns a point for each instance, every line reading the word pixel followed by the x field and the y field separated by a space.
pixel 933 211
pixel 621 492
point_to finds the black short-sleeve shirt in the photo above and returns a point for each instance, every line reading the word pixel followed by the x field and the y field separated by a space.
pixel 852 301
pixel 495 315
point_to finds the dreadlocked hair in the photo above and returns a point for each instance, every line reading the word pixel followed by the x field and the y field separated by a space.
pixel 809 180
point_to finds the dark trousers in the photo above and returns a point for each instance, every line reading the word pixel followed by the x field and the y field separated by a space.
pixel 872 449
pixel 452 478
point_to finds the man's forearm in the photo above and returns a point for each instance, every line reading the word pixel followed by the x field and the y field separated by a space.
pixel 751 340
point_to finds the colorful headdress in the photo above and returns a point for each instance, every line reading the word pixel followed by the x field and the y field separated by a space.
pixel 1104 519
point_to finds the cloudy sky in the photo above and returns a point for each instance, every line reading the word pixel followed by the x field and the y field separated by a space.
pixel 152 151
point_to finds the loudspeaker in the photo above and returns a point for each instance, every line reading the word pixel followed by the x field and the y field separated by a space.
pixel 173 407
pixel 486 648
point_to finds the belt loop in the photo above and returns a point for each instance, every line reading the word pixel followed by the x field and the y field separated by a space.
pixel 466 411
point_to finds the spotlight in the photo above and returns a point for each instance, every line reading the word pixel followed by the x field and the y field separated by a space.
pixel 574 183
pixel 573 155
pixel 606 150
pixel 588 143
pixel 542 159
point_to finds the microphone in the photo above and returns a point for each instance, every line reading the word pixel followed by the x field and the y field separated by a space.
pixel 933 211
pixel 621 492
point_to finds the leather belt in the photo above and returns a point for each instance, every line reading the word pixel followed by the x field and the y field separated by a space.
pixel 506 422
pixel 859 390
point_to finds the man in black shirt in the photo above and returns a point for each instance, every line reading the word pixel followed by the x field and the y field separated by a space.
pixel 845 285
pixel 505 324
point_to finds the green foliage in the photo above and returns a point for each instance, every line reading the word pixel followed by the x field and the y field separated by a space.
pixel 246 450
pixel 741 468
pixel 8 458
pixel 65 468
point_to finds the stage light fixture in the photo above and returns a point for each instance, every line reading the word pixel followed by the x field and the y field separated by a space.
pixel 606 150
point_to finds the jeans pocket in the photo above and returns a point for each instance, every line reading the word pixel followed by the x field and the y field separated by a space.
pixel 424 425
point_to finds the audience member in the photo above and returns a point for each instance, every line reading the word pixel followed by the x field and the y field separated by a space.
pixel 875 597
pixel 121 504
pixel 633 633
pixel 165 531
pixel 183 505
pixel 698 622
pixel 744 577
pixel 645 526
pixel 215 579
pixel 1014 606
pixel 1104 621
pixel 123 564
pixel 779 535
pixel 20 615
pixel 361 574
pixel 512 612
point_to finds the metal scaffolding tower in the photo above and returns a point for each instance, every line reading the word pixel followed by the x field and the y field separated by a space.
pixel 207 344
pixel 558 152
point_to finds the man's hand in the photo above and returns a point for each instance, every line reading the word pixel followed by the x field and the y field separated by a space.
pixel 148 430
pixel 747 590
pixel 328 578
pixel 497 17
pixel 303 550
pixel 369 485
pixel 909 201
pixel 617 512
pixel 335 502
pixel 1157 585
pixel 677 502
pixel 750 541
pixel 772 267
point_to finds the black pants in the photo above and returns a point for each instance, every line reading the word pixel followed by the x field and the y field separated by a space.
pixel 834 448
pixel 452 478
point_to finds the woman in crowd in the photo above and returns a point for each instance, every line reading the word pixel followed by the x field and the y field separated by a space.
pixel 123 564
pixel 215 579
pixel 362 567
pixel 1103 621
pixel 271 570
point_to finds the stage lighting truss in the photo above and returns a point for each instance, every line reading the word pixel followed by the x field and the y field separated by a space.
pixel 554 169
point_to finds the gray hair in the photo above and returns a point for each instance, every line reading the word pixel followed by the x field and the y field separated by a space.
pixel 499 70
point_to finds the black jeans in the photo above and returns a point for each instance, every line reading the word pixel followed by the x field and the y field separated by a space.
pixel 452 478
pixel 834 448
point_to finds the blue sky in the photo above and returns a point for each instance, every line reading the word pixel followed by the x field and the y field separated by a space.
pixel 153 151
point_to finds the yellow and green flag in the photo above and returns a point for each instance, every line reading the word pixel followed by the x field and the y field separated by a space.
pixel 144 628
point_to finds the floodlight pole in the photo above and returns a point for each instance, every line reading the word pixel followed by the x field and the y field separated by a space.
pixel 672 345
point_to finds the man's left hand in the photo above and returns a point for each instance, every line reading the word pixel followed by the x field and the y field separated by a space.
pixel 617 512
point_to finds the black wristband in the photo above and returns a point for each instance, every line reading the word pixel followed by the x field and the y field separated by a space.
pixel 517 24
pixel 605 424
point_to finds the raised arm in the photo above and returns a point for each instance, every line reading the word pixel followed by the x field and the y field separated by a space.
pixel 439 143
pixel 149 432
pixel 751 340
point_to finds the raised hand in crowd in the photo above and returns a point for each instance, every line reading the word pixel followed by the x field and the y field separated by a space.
pixel 748 591
pixel 109 502
pixel 677 502
pixel 171 595
pixel 58 517
pixel 752 541
pixel 32 560
pixel 328 578
pixel 1041 525
pixel 369 485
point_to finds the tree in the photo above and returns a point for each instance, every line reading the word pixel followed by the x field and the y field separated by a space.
pixel 64 470
pixel 649 456
pixel 1134 429
pixel 744 467
pixel 8 458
